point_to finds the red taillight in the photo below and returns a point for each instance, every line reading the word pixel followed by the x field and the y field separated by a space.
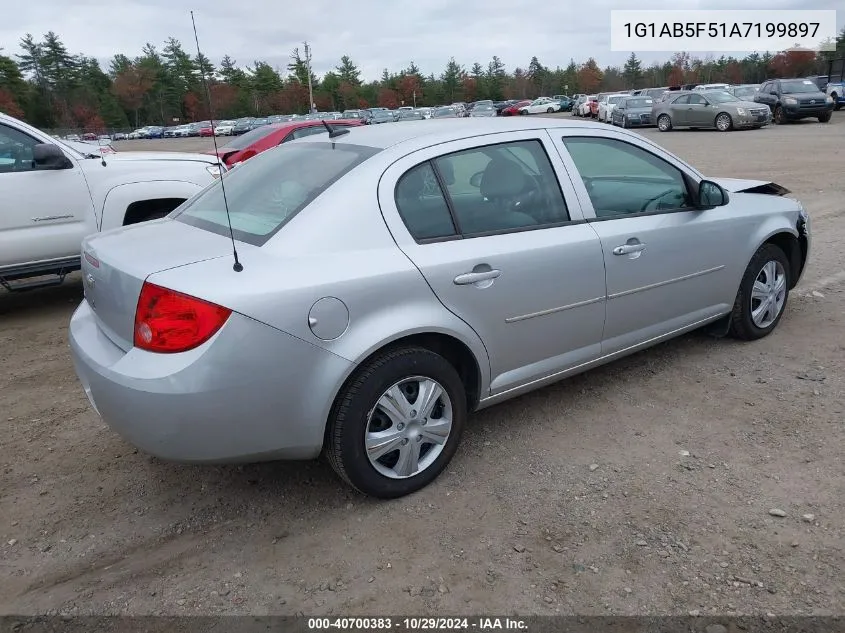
pixel 167 321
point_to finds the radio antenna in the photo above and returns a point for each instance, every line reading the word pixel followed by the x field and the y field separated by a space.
pixel 237 267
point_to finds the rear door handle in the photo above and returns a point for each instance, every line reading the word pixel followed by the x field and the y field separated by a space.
pixel 473 278
pixel 626 249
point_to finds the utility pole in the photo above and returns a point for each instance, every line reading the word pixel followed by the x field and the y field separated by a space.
pixel 310 87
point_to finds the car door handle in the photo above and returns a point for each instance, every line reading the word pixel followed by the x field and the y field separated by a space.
pixel 626 249
pixel 473 278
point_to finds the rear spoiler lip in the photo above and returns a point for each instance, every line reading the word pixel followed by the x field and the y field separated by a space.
pixel 738 185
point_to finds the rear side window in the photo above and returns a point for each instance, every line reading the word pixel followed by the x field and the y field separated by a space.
pixel 267 191
pixel 489 189
pixel 422 206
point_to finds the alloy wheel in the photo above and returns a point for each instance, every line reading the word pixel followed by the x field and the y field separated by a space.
pixel 723 122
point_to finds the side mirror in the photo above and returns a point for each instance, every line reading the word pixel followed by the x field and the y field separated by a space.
pixel 49 156
pixel 711 195
pixel 475 180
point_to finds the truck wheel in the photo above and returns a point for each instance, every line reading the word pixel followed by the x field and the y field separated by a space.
pixel 779 117
pixel 824 118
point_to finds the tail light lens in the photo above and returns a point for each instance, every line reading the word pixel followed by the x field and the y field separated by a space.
pixel 168 322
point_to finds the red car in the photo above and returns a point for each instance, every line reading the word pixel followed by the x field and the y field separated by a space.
pixel 206 130
pixel 254 142
pixel 513 110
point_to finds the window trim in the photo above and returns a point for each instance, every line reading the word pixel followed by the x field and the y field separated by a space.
pixel 459 235
pixel 690 184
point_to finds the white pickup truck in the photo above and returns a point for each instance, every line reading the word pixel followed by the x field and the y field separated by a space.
pixel 53 194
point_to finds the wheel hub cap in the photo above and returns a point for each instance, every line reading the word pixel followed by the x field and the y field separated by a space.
pixel 768 294
pixel 408 427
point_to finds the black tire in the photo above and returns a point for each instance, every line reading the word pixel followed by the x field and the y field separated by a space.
pixel 825 117
pixel 625 122
pixel 836 104
pixel 523 112
pixel 778 117
pixel 667 126
pixel 741 324
pixel 549 110
pixel 349 420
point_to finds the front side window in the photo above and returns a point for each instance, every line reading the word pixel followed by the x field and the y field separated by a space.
pixel 623 179
pixel 267 192
pixel 500 187
pixel 15 150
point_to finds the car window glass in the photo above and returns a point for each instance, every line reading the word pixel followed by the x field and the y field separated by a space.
pixel 309 131
pixel 622 178
pixel 681 100
pixel 260 200
pixel 697 100
pixel 15 150
pixel 500 187
pixel 421 204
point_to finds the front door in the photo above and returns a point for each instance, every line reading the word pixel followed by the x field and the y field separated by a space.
pixel 501 244
pixel 44 214
pixel 665 260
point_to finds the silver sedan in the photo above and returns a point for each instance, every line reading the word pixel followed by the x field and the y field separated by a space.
pixel 378 286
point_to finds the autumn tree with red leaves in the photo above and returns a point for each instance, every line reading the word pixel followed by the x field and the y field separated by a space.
pixel 793 63
pixel 131 86
pixel 9 105
pixel 388 98
pixel 590 76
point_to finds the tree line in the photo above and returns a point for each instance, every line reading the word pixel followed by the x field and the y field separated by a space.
pixel 52 88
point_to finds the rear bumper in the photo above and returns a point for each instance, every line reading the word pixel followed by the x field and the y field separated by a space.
pixel 251 393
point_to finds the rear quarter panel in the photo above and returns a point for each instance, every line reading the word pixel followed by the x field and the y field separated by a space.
pixel 338 247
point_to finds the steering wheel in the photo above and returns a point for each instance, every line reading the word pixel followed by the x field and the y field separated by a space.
pixel 656 200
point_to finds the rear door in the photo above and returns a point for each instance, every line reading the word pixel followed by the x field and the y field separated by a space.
pixel 678 110
pixel 501 240
pixel 669 265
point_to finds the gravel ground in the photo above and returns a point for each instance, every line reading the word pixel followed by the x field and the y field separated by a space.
pixel 700 476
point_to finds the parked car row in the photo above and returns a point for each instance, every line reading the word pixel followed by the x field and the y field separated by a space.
pixel 720 106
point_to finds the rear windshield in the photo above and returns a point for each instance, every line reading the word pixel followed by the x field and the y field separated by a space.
pixel 245 140
pixel 268 190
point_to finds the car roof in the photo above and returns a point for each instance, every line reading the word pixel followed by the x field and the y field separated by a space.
pixel 418 134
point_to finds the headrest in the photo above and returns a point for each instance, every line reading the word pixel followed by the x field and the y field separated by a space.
pixel 502 178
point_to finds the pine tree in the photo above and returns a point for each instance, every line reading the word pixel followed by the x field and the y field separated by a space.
pixel 632 72
pixel 348 72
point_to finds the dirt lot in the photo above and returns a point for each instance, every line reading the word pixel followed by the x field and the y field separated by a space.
pixel 573 499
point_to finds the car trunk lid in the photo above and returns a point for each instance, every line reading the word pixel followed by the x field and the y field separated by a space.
pixel 116 263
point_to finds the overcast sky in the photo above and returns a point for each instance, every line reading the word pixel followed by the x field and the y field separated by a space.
pixel 376 34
